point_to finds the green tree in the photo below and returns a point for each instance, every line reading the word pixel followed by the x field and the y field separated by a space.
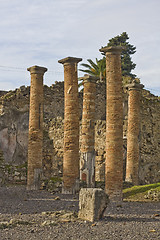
pixel 127 64
pixel 97 69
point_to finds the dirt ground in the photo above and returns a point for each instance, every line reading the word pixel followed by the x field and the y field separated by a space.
pixel 42 215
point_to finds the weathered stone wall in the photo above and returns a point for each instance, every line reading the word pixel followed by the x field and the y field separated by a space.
pixel 14 134
pixel 150 139
pixel 14 108
pixel 14 118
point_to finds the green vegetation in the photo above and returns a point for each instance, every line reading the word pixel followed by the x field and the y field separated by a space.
pixel 8 168
pixel 127 64
pixel 98 68
pixel 24 165
pixel 138 193
pixel 56 179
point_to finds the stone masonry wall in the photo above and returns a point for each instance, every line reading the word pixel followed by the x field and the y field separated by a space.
pixel 150 139
pixel 14 107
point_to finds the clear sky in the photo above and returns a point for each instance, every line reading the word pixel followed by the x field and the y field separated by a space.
pixel 40 32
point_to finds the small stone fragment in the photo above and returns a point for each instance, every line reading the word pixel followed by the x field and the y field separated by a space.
pixel 119 206
pixel 157 215
pixel 94 224
pixel 43 213
pixel 152 230
pixel 57 198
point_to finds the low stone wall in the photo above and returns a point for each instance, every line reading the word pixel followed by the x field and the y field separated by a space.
pixel 11 172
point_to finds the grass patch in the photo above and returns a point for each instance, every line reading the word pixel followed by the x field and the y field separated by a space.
pixel 56 179
pixel 137 193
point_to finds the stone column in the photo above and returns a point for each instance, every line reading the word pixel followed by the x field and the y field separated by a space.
pixel 114 124
pixel 132 165
pixel 71 126
pixel 87 157
pixel 35 141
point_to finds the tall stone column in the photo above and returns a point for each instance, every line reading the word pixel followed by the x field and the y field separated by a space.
pixel 132 165
pixel 71 126
pixel 114 124
pixel 87 157
pixel 35 141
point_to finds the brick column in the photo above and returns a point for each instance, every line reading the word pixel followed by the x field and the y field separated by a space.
pixel 132 165
pixel 35 141
pixel 114 124
pixel 71 126
pixel 87 157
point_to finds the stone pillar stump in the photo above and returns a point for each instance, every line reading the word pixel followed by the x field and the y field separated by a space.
pixel 92 204
pixel 132 164
pixel 35 141
pixel 71 126
pixel 87 157
pixel 114 124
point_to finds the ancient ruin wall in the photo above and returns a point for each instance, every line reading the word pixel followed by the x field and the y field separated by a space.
pixel 14 107
pixel 149 171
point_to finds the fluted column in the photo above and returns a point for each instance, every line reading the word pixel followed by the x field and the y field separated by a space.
pixel 132 164
pixel 71 126
pixel 87 157
pixel 114 124
pixel 35 141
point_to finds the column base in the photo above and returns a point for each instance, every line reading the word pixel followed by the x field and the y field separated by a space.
pixel 73 190
pixel 35 183
pixel 33 187
pixel 117 199
pixel 117 196
pixel 131 181
pixel 87 168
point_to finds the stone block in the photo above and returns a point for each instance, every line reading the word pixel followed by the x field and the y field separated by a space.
pixel 92 204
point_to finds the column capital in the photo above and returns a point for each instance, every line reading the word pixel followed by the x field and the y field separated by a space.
pixel 70 60
pixel 112 50
pixel 134 85
pixel 89 78
pixel 37 70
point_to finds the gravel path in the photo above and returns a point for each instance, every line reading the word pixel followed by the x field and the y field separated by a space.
pixel 41 215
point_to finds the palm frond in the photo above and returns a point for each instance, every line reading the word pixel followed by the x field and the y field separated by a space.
pixel 87 71
pixel 85 65
pixel 92 64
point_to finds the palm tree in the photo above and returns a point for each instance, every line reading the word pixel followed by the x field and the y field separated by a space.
pixel 97 69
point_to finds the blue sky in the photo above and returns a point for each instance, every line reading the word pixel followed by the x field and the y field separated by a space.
pixel 40 32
